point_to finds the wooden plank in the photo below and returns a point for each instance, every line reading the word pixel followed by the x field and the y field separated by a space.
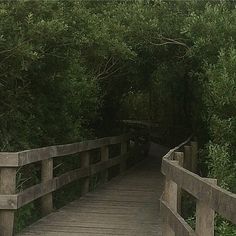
pixel 104 158
pixel 39 190
pixel 8 202
pixel 205 216
pixel 176 222
pixel 47 175
pixel 85 162
pixel 179 156
pixel 194 148
pixel 7 186
pixel 9 159
pixel 126 205
pixel 68 149
pixel 170 196
pixel 124 147
pixel 98 167
pixel 15 159
pixel 221 200
pixel 187 157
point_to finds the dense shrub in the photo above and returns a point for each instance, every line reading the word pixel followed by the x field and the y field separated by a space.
pixel 70 69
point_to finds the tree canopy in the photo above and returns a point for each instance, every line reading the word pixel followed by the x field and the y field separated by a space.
pixel 71 69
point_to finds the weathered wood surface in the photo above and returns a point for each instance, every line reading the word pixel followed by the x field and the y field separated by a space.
pixel 127 205
pixel 219 199
pixel 16 159
pixel 13 202
pixel 175 221
pixel 7 186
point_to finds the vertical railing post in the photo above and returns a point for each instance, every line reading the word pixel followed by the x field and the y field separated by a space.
pixel 85 162
pixel 187 157
pixel 179 156
pixel 105 157
pixel 7 186
pixel 194 148
pixel 205 216
pixel 46 175
pixel 123 156
pixel 171 198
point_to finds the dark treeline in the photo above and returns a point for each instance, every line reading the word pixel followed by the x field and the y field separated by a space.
pixel 71 69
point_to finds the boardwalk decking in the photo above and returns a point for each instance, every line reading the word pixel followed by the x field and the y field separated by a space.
pixel 127 205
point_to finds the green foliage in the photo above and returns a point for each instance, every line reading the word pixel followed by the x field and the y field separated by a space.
pixel 219 156
pixel 70 69
pixel 224 228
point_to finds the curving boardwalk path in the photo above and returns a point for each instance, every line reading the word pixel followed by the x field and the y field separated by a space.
pixel 127 205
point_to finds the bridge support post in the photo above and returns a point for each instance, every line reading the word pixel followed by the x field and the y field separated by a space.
pixel 179 156
pixel 7 186
pixel 123 156
pixel 105 157
pixel 85 162
pixel 205 216
pixel 170 196
pixel 46 175
pixel 187 157
pixel 194 148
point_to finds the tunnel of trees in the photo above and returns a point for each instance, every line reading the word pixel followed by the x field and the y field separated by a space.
pixel 71 69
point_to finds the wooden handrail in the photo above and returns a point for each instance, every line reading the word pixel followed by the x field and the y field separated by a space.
pixel 17 159
pixel 209 197
pixel 9 161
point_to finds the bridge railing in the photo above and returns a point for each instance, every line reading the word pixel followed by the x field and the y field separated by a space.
pixel 210 197
pixel 10 201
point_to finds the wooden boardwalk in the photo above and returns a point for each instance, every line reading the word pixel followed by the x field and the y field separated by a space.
pixel 127 205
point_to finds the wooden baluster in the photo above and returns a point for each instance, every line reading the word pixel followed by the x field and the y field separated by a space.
pixel 205 216
pixel 85 162
pixel 105 157
pixel 123 156
pixel 194 148
pixel 46 175
pixel 187 157
pixel 171 197
pixel 179 156
pixel 7 186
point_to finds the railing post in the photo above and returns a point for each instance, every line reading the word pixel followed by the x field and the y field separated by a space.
pixel 194 148
pixel 179 156
pixel 187 157
pixel 105 157
pixel 7 186
pixel 46 175
pixel 205 216
pixel 85 162
pixel 123 156
pixel 171 198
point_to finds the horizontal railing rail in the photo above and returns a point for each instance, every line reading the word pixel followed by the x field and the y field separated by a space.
pixel 10 201
pixel 210 197
pixel 16 159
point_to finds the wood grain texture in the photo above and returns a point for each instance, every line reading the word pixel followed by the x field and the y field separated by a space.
pixel 104 157
pixel 205 216
pixel 176 222
pixel 7 186
pixel 170 196
pixel 127 205
pixel 221 200
pixel 16 159
pixel 15 201
pixel 85 162
pixel 47 175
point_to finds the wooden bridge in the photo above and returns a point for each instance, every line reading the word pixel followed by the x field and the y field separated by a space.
pixel 126 205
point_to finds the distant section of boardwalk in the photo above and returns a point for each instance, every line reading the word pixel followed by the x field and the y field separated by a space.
pixel 127 205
